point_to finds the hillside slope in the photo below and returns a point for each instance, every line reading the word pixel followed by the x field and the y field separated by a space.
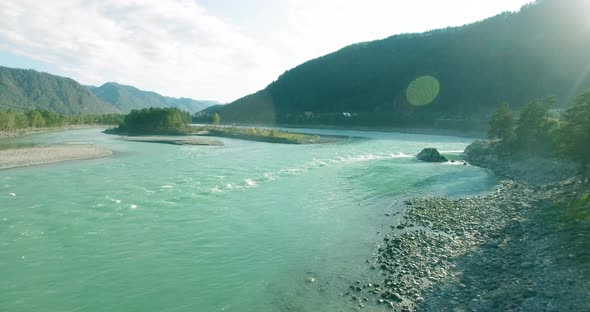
pixel 126 98
pixel 541 50
pixel 24 90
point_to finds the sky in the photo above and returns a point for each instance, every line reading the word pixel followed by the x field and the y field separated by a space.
pixel 208 49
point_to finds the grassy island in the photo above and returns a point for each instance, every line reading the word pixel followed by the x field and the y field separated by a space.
pixel 266 135
pixel 175 122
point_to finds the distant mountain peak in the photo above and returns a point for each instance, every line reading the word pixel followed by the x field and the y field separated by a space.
pixel 127 98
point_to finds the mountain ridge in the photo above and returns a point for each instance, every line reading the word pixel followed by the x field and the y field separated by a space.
pixel 27 89
pixel 517 57
pixel 127 98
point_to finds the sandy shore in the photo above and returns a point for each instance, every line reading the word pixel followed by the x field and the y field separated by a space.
pixel 32 156
pixel 31 131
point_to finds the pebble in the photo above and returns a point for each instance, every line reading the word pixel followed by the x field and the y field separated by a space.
pixel 484 235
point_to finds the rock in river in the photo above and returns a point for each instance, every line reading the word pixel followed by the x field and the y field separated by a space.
pixel 431 155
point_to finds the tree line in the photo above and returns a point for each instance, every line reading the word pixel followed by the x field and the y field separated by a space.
pixel 541 131
pixel 11 120
pixel 206 117
pixel 155 120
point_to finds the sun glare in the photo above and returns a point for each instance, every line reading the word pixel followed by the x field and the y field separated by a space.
pixel 423 90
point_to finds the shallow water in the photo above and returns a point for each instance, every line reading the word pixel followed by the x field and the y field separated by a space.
pixel 196 228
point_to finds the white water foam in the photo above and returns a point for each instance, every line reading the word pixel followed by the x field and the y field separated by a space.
pixel 313 164
pixel 116 201
pixel 293 170
pixel 269 176
pixel 456 163
pixel 216 190
pixel 367 157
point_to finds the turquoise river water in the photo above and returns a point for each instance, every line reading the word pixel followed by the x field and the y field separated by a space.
pixel 194 228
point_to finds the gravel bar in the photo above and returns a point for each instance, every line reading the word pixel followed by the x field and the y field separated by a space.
pixel 32 156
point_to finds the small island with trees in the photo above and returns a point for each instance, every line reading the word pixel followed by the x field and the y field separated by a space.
pixel 171 123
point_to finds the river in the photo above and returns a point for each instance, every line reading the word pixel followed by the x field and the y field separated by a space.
pixel 197 228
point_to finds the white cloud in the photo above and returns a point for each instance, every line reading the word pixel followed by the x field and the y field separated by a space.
pixel 327 25
pixel 172 47
pixel 178 48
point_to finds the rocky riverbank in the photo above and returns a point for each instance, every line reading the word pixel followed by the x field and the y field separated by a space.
pixel 532 170
pixel 524 247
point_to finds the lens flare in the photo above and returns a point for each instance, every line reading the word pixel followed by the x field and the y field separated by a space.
pixel 423 90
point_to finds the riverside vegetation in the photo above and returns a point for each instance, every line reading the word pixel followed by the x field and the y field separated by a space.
pixel 524 247
pixel 14 123
pixel 540 133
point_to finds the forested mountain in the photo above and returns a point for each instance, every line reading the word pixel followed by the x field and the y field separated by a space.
pixel 25 90
pixel 126 98
pixel 447 78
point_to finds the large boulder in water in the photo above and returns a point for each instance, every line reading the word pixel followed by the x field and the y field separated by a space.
pixel 431 155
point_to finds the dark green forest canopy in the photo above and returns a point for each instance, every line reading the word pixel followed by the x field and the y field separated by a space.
pixel 458 75
pixel 155 120
pixel 573 133
pixel 538 131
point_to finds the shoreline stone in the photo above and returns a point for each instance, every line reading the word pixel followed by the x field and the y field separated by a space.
pixel 430 154
pixel 504 251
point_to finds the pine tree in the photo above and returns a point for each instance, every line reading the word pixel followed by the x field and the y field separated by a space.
pixel 573 135
pixel 503 124
pixel 534 128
